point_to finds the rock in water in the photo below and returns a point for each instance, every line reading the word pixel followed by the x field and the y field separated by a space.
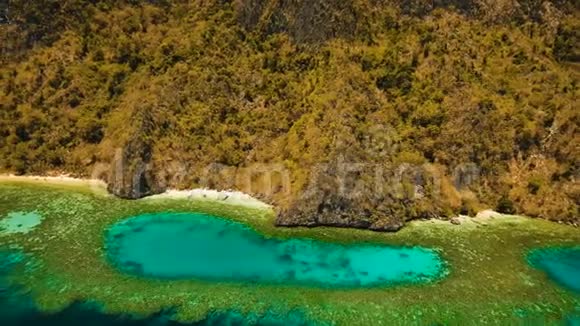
pixel 387 224
pixel 488 214
pixel 455 221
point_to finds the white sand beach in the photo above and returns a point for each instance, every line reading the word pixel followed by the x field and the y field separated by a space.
pixel 227 197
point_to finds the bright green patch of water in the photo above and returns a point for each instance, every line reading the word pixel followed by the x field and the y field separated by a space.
pixel 19 222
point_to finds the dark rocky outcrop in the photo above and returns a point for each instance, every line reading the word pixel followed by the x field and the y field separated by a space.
pixel 132 174
pixel 347 195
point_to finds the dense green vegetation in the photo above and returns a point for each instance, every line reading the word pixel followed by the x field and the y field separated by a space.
pixel 178 85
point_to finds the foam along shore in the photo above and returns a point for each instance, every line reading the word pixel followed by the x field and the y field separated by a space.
pixel 228 197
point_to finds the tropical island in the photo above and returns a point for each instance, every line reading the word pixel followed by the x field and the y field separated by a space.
pixel 238 162
pixel 467 105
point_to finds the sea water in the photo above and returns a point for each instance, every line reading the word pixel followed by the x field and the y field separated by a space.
pixel 17 308
pixel 19 222
pixel 561 264
pixel 202 247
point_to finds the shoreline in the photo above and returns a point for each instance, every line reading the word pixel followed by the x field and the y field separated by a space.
pixel 229 197
pixel 63 180
pixel 237 198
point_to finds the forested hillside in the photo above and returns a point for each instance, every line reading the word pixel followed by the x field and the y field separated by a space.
pixel 424 89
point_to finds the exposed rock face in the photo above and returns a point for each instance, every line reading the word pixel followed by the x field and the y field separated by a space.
pixel 342 198
pixel 131 175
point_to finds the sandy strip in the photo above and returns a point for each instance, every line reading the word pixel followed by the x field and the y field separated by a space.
pixel 61 179
pixel 228 197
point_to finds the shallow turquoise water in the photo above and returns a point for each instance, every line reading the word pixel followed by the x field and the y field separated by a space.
pixel 560 264
pixel 19 222
pixel 196 246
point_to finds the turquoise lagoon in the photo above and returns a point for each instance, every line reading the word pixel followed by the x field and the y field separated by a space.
pixel 561 264
pixel 207 248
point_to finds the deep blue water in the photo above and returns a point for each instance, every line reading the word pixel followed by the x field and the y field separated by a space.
pixel 197 246
pixel 18 309
pixel 561 264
